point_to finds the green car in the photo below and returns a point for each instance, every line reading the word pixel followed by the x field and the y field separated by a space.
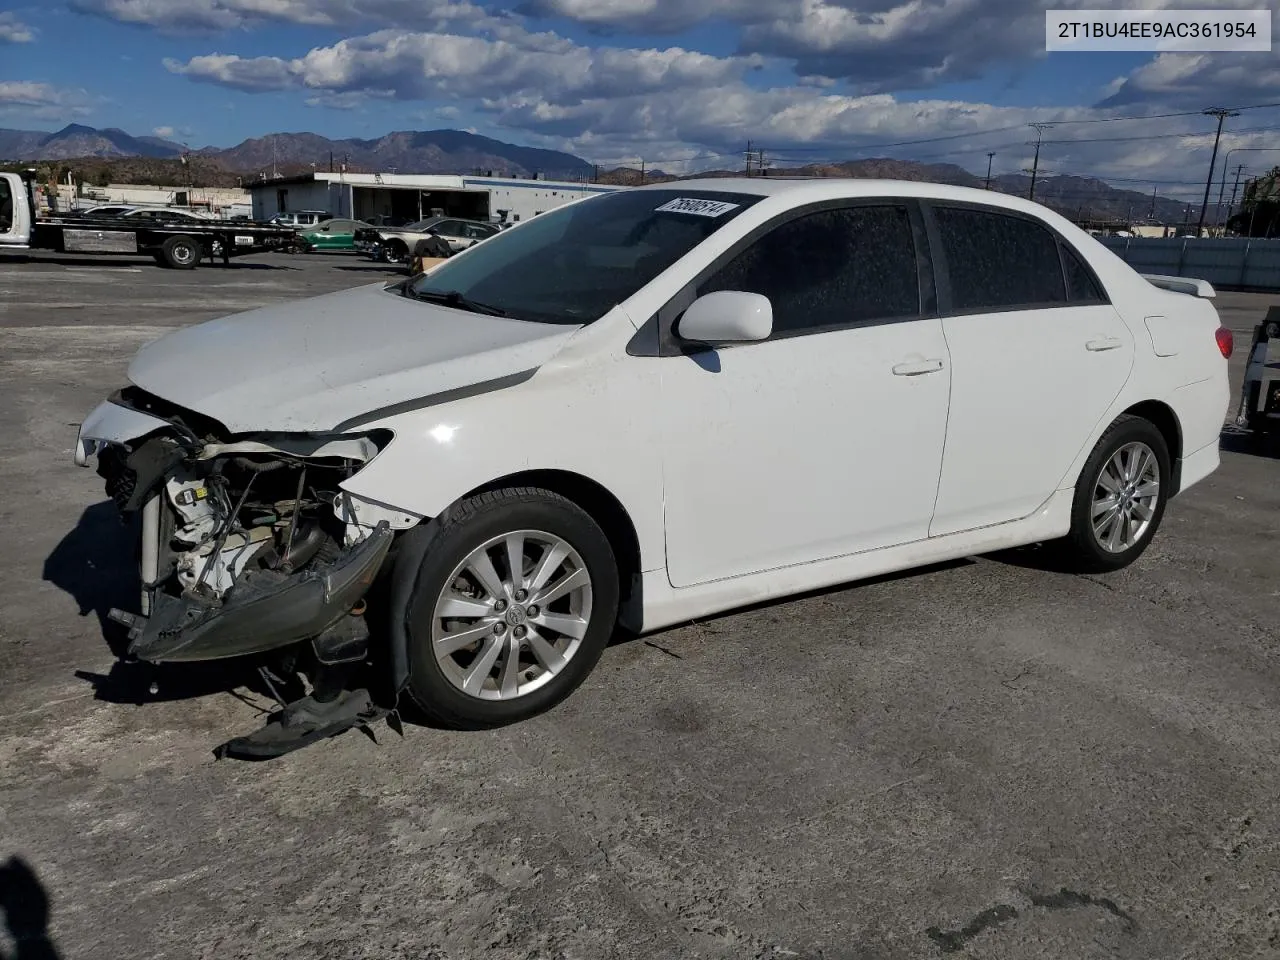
pixel 331 235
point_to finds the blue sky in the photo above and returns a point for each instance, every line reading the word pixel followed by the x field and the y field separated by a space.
pixel 681 84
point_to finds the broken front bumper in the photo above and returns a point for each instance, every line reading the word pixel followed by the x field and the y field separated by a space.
pixel 265 610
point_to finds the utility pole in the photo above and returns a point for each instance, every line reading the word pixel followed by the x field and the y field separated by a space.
pixel 1035 164
pixel 642 171
pixel 990 156
pixel 749 156
pixel 760 164
pixel 1152 214
pixel 1234 189
pixel 1221 113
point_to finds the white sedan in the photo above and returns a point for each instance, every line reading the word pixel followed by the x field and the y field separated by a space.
pixel 650 406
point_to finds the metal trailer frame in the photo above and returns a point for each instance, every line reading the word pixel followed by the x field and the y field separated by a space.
pixel 1259 408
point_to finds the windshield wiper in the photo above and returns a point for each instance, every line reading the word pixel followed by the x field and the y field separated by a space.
pixel 453 298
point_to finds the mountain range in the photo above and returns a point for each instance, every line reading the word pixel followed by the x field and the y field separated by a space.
pixel 112 154
pixel 426 151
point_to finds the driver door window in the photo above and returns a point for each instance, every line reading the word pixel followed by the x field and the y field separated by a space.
pixel 830 269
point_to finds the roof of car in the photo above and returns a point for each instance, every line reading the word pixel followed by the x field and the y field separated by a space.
pixel 808 189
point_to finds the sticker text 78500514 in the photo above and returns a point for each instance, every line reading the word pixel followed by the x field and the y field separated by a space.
pixel 701 208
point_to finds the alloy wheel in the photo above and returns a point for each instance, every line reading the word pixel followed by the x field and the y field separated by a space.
pixel 511 615
pixel 1125 497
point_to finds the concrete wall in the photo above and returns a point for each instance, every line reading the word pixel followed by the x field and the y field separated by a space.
pixel 216 199
pixel 1231 262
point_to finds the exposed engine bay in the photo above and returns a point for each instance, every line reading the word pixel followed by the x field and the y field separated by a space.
pixel 249 546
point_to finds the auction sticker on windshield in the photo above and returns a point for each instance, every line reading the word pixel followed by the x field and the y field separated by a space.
pixel 701 208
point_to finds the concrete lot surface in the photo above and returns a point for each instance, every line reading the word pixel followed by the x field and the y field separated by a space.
pixel 984 759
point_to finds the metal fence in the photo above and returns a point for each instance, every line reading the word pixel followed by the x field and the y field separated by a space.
pixel 1237 263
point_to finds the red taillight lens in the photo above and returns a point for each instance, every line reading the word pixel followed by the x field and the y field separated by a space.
pixel 1226 342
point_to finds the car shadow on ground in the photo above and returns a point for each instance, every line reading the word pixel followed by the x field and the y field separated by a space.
pixel 1250 443
pixel 24 905
pixel 96 563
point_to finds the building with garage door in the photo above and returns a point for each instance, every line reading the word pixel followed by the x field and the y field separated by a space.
pixel 405 197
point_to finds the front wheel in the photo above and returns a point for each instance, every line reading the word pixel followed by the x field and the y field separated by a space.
pixel 1120 497
pixel 513 601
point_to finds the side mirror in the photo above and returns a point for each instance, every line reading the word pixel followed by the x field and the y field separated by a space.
pixel 727 316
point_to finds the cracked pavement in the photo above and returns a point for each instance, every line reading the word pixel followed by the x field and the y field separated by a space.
pixel 983 758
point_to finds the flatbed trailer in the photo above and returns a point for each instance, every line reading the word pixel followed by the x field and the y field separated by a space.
pixel 181 245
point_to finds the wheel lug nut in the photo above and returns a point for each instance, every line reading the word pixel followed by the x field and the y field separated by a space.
pixel 499 628
pixel 500 605
pixel 520 596
pixel 532 612
pixel 519 631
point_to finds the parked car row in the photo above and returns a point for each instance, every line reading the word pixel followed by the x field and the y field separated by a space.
pixel 395 244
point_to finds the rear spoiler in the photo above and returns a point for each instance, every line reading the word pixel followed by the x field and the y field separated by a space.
pixel 1187 285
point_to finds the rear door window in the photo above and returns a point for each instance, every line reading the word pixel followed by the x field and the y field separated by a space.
pixel 996 261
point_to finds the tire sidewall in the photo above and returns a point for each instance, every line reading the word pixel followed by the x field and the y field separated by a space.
pixel 1125 432
pixel 171 247
pixel 428 686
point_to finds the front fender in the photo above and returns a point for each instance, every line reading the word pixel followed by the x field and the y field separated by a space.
pixel 590 419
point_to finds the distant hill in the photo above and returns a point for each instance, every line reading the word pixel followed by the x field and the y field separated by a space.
pixel 113 155
pixel 77 140
pixel 1081 197
pixel 408 151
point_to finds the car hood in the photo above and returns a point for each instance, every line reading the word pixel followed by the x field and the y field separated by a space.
pixel 312 365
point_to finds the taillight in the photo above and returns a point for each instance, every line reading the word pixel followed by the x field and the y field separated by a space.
pixel 1226 342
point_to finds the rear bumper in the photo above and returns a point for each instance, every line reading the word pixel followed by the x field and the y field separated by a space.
pixel 1194 467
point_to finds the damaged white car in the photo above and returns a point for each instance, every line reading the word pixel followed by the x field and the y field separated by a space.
pixel 645 407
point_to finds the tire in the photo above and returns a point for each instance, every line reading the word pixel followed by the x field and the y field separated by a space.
pixel 395 252
pixel 181 253
pixel 470 687
pixel 1109 546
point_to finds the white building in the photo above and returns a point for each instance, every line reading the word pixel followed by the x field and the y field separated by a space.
pixel 365 196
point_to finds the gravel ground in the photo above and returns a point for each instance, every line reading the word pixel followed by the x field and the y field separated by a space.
pixel 982 758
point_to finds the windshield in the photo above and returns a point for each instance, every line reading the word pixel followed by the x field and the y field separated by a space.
pixel 574 264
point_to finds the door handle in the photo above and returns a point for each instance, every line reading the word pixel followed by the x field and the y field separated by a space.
pixel 1104 343
pixel 915 368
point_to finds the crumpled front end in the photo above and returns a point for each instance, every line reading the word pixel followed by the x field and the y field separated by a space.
pixel 248 543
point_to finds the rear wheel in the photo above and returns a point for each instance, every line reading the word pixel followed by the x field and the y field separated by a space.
pixel 1119 499
pixel 514 599
pixel 181 253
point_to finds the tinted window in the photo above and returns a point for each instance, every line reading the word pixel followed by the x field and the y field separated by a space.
pixel 573 264
pixel 999 261
pixel 1081 286
pixel 830 268
pixel 6 207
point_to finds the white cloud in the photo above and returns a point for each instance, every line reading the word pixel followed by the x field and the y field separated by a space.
pixel 165 133
pixel 416 66
pixel 1195 79
pixel 13 30
pixel 41 100
pixel 199 16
